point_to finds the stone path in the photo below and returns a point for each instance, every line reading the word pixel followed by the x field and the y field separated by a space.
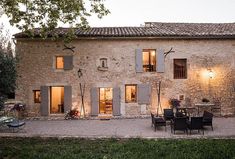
pixel 121 128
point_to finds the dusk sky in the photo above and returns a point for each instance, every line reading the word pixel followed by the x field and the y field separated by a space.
pixel 136 12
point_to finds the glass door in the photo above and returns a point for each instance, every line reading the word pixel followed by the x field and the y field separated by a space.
pixel 57 100
pixel 106 101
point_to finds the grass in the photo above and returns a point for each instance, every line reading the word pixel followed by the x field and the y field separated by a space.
pixel 37 148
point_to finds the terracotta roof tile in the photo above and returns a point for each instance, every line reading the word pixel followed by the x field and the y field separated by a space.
pixel 154 30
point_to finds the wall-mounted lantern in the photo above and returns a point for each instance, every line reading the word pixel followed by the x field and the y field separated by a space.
pixel 79 73
pixel 211 74
pixel 82 90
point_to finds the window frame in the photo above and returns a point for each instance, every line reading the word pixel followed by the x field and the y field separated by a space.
pixel 126 93
pixel 152 68
pixel 56 62
pixel 34 96
pixel 185 69
pixel 104 61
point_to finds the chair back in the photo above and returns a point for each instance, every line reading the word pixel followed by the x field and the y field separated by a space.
pixel 196 123
pixel 207 115
pixel 168 114
pixel 180 123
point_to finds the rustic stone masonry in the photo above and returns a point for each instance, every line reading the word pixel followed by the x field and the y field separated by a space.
pixel 36 69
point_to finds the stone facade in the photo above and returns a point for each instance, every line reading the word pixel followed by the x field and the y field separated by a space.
pixel 36 68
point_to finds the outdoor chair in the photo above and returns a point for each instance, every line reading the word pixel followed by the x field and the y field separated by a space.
pixel 196 123
pixel 15 125
pixel 217 106
pixel 168 114
pixel 11 122
pixel 4 120
pixel 157 121
pixel 179 123
pixel 207 119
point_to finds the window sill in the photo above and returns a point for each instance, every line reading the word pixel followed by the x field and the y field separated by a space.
pixel 102 68
pixel 59 70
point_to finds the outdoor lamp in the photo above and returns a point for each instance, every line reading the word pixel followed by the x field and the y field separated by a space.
pixel 210 73
pixel 79 73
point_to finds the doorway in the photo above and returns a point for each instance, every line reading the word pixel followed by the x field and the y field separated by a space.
pixel 57 100
pixel 106 100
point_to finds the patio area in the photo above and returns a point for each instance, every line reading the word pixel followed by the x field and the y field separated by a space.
pixel 116 128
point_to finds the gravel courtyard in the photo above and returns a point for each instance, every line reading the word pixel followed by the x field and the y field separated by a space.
pixel 120 128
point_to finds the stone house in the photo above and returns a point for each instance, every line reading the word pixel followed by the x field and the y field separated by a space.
pixel 120 68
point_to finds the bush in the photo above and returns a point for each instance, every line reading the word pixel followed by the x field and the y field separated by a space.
pixel 72 114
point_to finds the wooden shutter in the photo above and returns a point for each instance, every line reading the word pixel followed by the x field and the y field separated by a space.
pixel 138 60
pixel 143 93
pixel 67 98
pixel 94 101
pixel 160 61
pixel 44 107
pixel 116 101
pixel 68 62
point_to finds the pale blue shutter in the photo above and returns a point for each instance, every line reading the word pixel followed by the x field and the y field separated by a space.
pixel 160 61
pixel 44 107
pixel 68 62
pixel 94 101
pixel 116 101
pixel 67 98
pixel 144 93
pixel 138 60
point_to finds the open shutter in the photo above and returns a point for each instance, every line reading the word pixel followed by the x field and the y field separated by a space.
pixel 67 98
pixel 68 62
pixel 160 61
pixel 138 60
pixel 44 108
pixel 116 101
pixel 144 93
pixel 94 101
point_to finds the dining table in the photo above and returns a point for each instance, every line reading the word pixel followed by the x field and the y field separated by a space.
pixel 204 105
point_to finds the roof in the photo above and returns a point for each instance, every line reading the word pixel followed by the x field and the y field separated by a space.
pixel 152 30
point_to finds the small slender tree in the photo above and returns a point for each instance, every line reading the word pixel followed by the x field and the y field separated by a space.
pixel 7 76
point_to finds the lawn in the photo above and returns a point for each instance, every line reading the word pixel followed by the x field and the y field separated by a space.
pixel 36 148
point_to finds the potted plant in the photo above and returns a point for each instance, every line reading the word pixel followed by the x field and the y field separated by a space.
pixel 205 100
pixel 175 103
pixel 72 114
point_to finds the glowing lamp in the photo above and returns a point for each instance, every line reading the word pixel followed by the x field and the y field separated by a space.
pixel 211 73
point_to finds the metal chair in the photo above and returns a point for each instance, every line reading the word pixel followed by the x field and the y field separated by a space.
pixel 207 119
pixel 217 106
pixel 157 121
pixel 168 114
pixel 179 123
pixel 196 123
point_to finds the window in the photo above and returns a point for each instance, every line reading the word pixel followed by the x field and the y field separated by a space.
pixel 180 68
pixel 130 92
pixel 103 62
pixel 37 96
pixel 149 60
pixel 59 62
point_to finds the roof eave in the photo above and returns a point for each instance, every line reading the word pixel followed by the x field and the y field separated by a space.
pixel 138 37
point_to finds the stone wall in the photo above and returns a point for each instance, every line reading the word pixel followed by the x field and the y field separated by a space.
pixel 36 68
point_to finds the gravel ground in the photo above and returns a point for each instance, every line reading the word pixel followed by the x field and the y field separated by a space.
pixel 120 128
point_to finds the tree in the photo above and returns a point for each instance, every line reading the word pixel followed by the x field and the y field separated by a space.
pixel 7 75
pixel 48 14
